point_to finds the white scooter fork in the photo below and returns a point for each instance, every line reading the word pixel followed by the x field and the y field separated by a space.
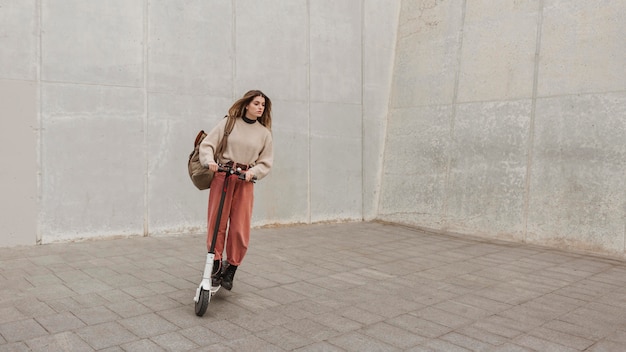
pixel 207 283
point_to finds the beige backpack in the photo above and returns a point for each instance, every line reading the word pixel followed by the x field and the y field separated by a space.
pixel 201 176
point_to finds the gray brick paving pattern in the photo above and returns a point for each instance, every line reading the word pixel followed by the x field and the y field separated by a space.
pixel 328 287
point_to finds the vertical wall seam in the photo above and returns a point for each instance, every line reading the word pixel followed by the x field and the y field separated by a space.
pixel 455 94
pixel 362 110
pixel 308 85
pixel 146 216
pixel 531 124
pixel 381 156
pixel 39 133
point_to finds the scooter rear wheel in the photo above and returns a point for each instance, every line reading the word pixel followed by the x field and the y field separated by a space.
pixel 203 302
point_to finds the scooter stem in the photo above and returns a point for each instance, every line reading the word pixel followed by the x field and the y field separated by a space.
pixel 208 266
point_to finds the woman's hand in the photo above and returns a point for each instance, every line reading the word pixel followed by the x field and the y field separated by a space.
pixel 249 175
pixel 213 166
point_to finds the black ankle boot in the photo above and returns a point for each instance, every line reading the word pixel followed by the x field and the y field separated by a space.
pixel 216 273
pixel 228 275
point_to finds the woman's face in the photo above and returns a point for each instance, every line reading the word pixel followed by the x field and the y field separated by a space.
pixel 255 109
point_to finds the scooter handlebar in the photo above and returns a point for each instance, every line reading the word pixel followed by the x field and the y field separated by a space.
pixel 229 170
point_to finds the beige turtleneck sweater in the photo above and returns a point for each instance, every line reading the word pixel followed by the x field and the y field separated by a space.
pixel 249 144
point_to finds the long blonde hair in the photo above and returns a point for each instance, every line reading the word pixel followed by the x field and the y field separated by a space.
pixel 239 107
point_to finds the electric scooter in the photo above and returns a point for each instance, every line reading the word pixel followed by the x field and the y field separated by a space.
pixel 206 290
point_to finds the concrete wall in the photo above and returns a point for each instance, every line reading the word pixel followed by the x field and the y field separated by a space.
pixel 101 102
pixel 508 120
pixel 504 119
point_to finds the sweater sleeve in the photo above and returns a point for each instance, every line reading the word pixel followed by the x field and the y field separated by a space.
pixel 266 159
pixel 210 143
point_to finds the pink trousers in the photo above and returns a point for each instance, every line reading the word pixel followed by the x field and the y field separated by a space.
pixel 235 220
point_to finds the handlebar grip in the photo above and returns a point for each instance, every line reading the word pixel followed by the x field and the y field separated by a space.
pixel 242 176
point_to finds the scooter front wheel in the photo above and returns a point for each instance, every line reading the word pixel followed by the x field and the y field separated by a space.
pixel 203 302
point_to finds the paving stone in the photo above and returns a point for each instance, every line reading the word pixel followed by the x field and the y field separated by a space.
pixel 174 341
pixel 60 322
pixel 360 315
pixel 121 281
pixel 51 292
pixel 337 322
pixel 482 335
pixel 561 338
pixel 21 330
pixel 115 296
pixel 106 335
pixel 95 315
pixel 575 330
pixel 15 347
pixel 143 345
pixel 538 344
pixel 497 328
pixel 148 325
pixel 65 341
pixel 127 309
pixel 227 329
pixel 139 291
pixel 462 309
pixel 158 303
pixel 10 314
pixel 311 329
pixel 73 276
pixel 386 308
pixel 251 343
pixel 201 336
pixel 284 338
pixel 482 303
pixel 510 347
pixel 393 335
pixel 253 302
pixel 467 342
pixel 354 341
pixel 442 317
pixel 34 308
pixel 419 325
pixel 43 280
pixel 183 317
pixel 606 346
pixel 319 347
pixel 442 345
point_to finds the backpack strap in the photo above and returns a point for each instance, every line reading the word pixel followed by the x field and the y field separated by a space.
pixel 230 125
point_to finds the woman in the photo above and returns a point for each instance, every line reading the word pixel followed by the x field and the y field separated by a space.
pixel 249 147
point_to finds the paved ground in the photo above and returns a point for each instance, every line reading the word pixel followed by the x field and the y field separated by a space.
pixel 338 287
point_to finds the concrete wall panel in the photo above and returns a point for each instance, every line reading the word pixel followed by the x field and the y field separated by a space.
pixel 488 169
pixel 427 52
pixel 93 164
pixel 499 43
pixel 93 42
pixel 283 195
pixel 335 159
pixel 174 204
pixel 18 151
pixel 19 22
pixel 271 48
pixel 379 38
pixel 335 44
pixel 582 47
pixel 414 170
pixel 190 46
pixel 578 181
